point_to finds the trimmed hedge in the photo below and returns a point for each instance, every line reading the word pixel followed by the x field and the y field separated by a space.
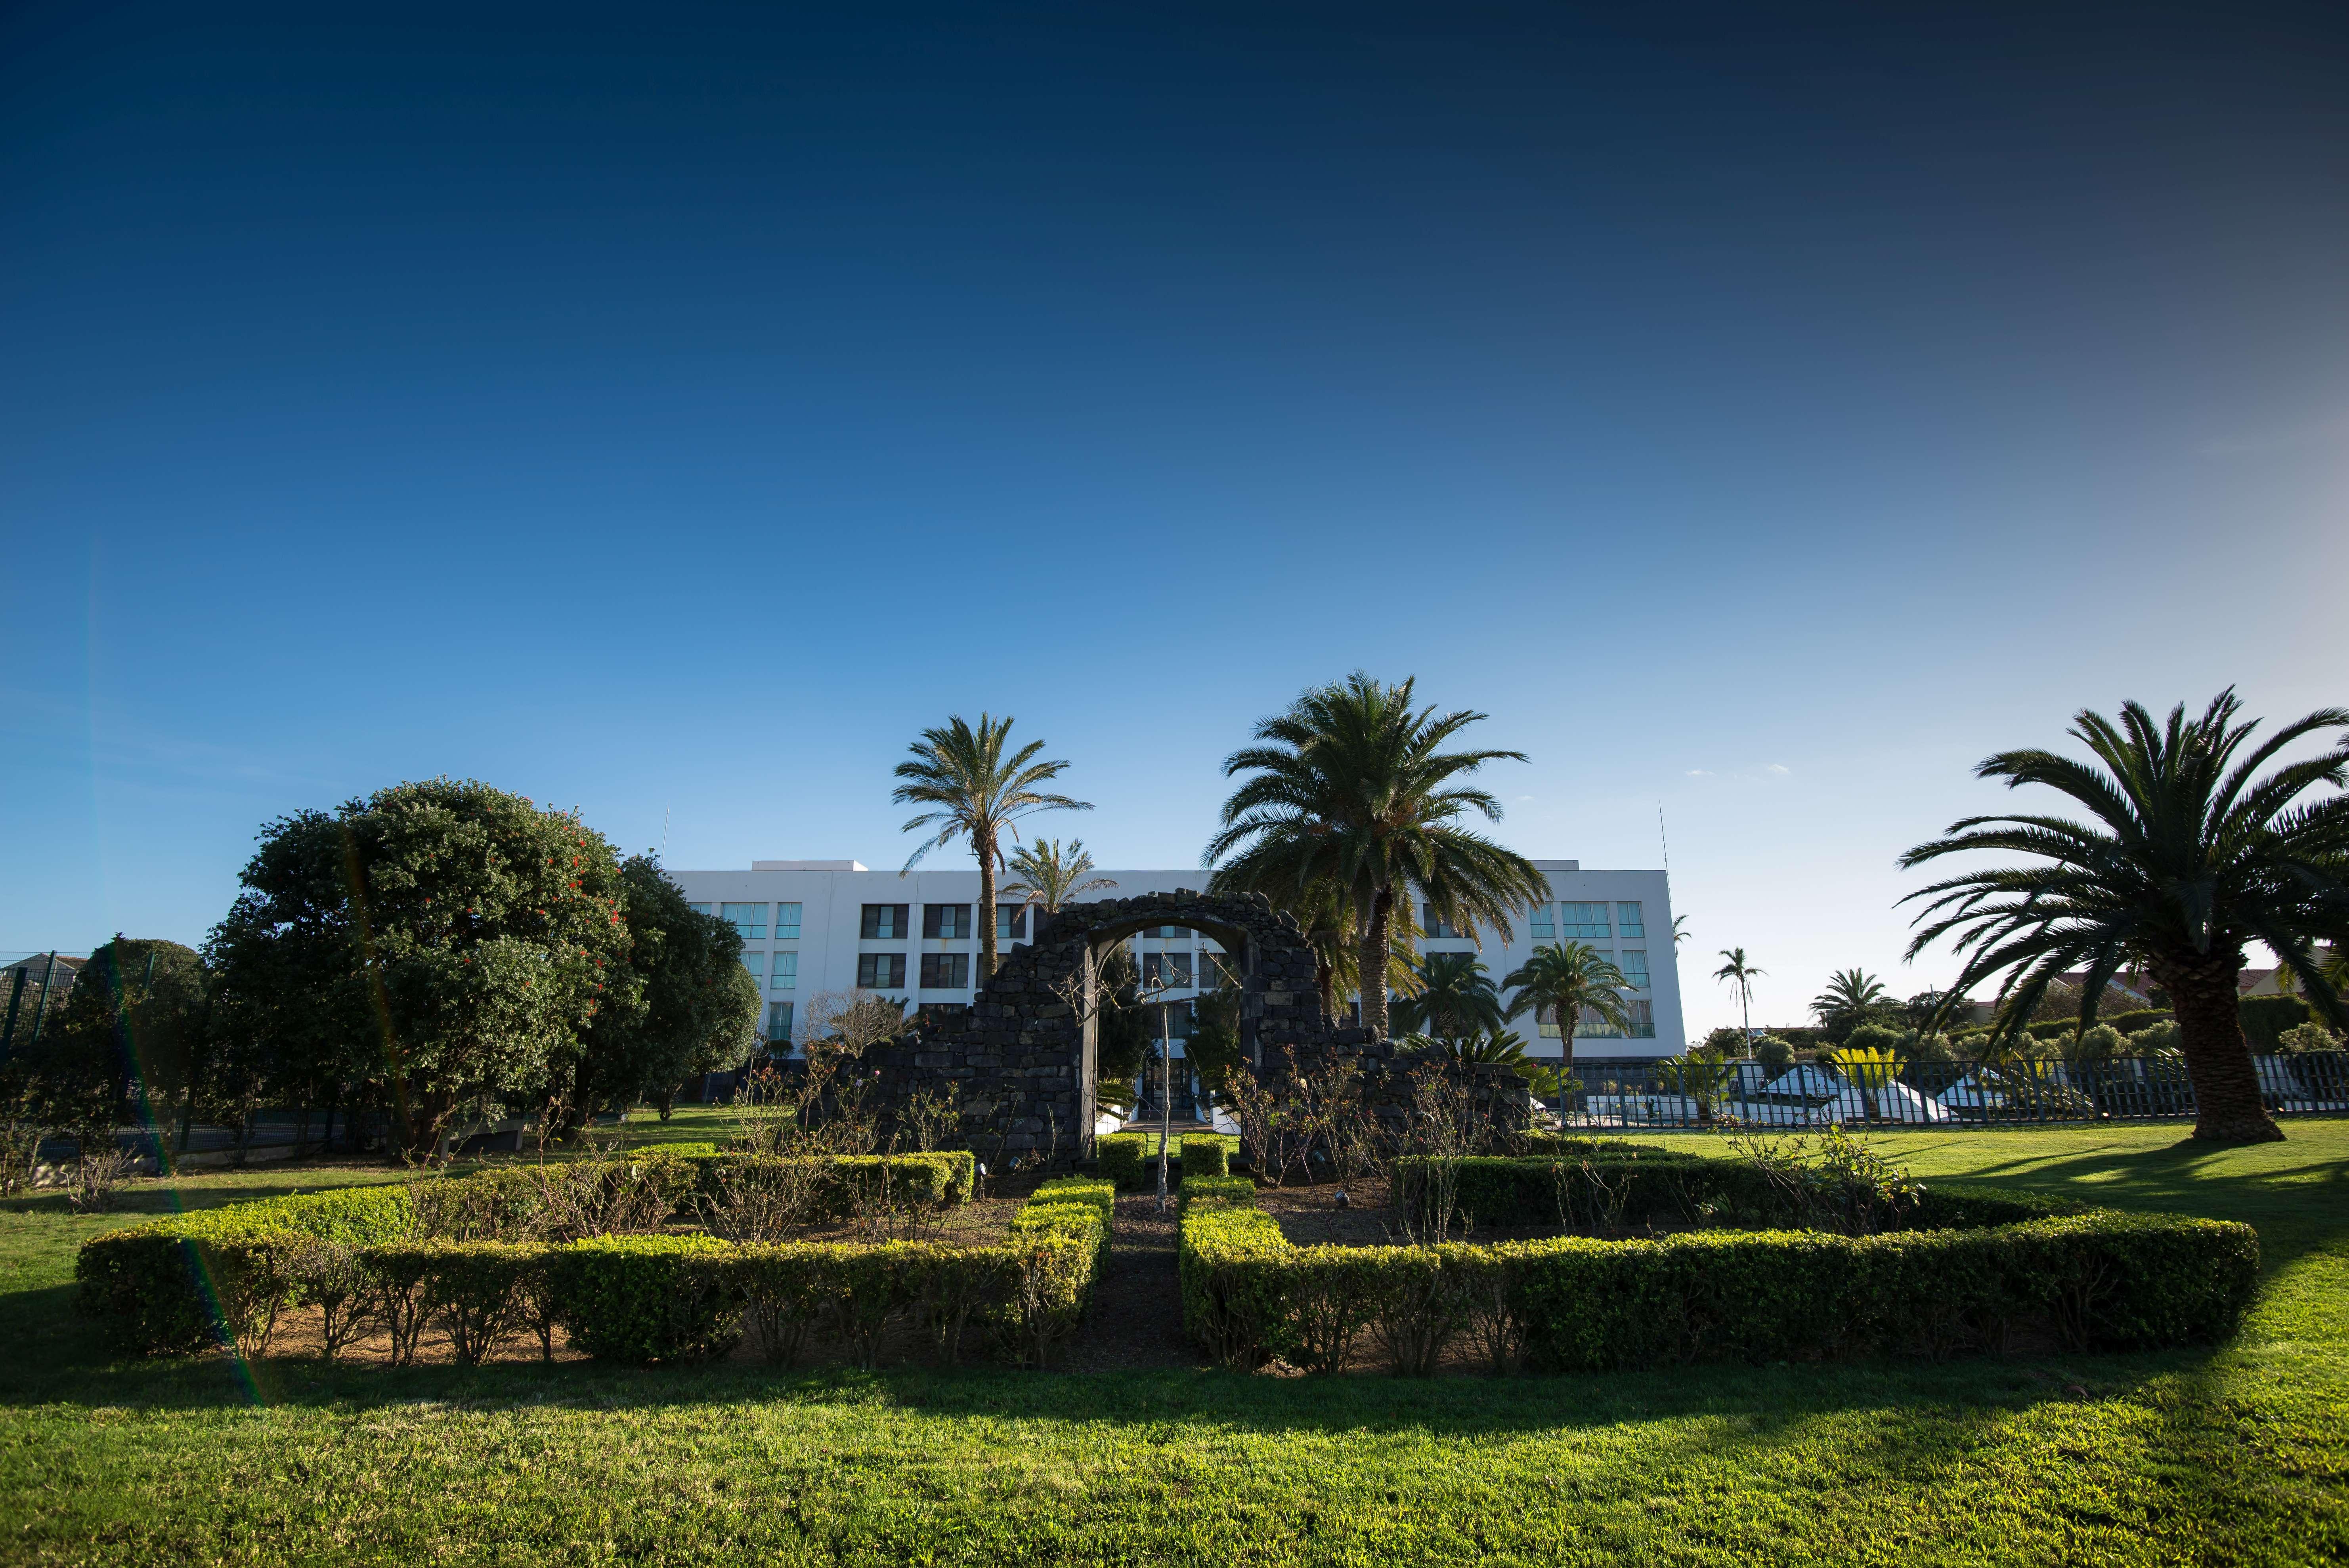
pixel 1207 1154
pixel 1216 1190
pixel 641 1299
pixel 1999 1266
pixel 222 1276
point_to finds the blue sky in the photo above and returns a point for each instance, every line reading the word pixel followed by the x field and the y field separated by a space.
pixel 1762 412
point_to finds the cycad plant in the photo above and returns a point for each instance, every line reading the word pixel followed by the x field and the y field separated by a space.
pixel 1046 873
pixel 1567 978
pixel 1351 786
pixel 1455 999
pixel 1497 1046
pixel 979 792
pixel 2186 853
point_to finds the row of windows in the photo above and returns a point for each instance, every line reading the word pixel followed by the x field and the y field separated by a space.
pixel 1573 922
pixel 951 970
pixel 1590 1027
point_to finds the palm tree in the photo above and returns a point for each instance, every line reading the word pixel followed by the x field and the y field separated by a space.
pixel 2188 854
pixel 980 794
pixel 1050 874
pixel 1679 933
pixel 1351 788
pixel 1456 998
pixel 1742 975
pixel 1853 997
pixel 1566 979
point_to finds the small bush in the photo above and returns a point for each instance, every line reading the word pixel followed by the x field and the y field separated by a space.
pixel 2306 1040
pixel 1216 1190
pixel 1089 1192
pixel 1121 1157
pixel 1207 1154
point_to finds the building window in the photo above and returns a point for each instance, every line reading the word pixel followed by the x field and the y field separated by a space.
pixel 756 963
pixel 945 922
pixel 881 971
pixel 1591 1027
pixel 1011 922
pixel 1166 969
pixel 699 908
pixel 750 919
pixel 787 971
pixel 778 1025
pixel 1643 1020
pixel 1583 922
pixel 884 922
pixel 1544 924
pixel 1628 921
pixel 787 922
pixel 1547 1028
pixel 1633 963
pixel 945 971
pixel 1217 969
pixel 1435 926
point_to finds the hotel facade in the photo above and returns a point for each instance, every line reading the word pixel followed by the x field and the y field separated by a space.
pixel 815 926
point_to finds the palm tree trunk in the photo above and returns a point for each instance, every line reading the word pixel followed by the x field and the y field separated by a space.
pixel 985 845
pixel 1565 1058
pixel 1378 943
pixel 2204 994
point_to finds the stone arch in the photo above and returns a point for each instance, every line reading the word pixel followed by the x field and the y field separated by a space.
pixel 1022 1058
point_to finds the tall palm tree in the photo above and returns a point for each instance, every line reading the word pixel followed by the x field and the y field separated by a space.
pixel 1351 786
pixel 980 794
pixel 1050 874
pixel 1569 978
pixel 1331 928
pixel 1456 999
pixel 2188 854
pixel 1742 975
pixel 1853 997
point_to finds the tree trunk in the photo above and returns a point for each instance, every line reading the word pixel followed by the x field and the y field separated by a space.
pixel 2204 993
pixel 986 847
pixel 1377 942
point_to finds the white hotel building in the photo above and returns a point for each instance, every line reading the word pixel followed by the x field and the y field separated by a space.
pixel 811 926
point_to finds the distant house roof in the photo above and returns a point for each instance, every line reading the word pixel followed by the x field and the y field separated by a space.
pixel 37 964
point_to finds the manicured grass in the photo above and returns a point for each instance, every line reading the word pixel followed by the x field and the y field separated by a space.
pixel 2231 1455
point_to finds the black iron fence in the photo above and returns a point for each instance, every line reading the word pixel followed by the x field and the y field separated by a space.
pixel 2023 1092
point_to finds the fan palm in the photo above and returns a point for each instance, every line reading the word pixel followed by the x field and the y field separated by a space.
pixel 1853 997
pixel 2188 855
pixel 1050 874
pixel 1568 979
pixel 1455 999
pixel 980 794
pixel 1742 975
pixel 1351 788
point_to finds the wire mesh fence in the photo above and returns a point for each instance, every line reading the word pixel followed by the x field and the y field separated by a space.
pixel 2019 1092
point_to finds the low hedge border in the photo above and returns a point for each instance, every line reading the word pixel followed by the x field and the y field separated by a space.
pixel 1130 1160
pixel 632 1298
pixel 1997 1268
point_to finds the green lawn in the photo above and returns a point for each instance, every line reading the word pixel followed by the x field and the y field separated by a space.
pixel 2228 1456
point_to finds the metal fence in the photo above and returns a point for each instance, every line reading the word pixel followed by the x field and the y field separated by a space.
pixel 1929 1094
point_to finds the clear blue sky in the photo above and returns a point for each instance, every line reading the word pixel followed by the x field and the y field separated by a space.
pixel 1762 412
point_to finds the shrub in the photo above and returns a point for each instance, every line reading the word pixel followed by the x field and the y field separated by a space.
pixel 1773 1053
pixel 1207 1154
pixel 2265 1018
pixel 2156 1038
pixel 1216 1190
pixel 477 1291
pixel 222 1276
pixel 1089 1192
pixel 2130 1022
pixel 643 1299
pixel 2306 1040
pixel 1122 1156
pixel 2099 1279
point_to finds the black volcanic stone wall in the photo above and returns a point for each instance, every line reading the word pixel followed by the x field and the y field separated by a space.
pixel 1016 1058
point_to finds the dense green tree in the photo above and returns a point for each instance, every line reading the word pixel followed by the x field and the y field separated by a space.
pixel 980 794
pixel 1566 980
pixel 679 1003
pixel 1456 999
pixel 1214 1047
pixel 126 1044
pixel 2187 854
pixel 1350 787
pixel 1852 997
pixel 442 940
